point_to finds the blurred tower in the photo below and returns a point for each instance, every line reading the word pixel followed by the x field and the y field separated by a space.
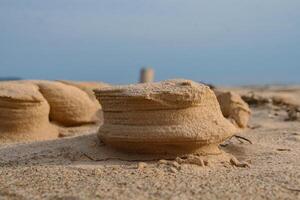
pixel 146 75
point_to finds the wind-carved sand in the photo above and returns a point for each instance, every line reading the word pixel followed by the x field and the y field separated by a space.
pixel 234 108
pixel 177 117
pixel 40 110
pixel 83 167
pixel 70 106
pixel 24 113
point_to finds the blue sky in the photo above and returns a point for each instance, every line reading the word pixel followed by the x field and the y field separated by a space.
pixel 222 42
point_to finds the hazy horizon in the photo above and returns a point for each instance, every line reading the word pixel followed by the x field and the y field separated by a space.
pixel 222 42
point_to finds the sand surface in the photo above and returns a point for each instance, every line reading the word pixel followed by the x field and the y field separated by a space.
pixel 83 168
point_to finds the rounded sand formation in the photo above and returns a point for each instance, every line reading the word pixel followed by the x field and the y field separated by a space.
pixel 89 88
pixel 29 104
pixel 24 113
pixel 175 116
pixel 70 106
pixel 234 108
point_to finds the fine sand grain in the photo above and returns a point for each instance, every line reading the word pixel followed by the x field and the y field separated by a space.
pixel 83 168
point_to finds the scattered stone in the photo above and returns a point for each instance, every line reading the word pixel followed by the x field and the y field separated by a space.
pixel 142 165
pixel 293 114
pixel 163 162
pixel 237 163
pixel 194 160
pixel 173 170
pixel 176 165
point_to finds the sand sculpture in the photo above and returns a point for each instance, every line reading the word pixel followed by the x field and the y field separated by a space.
pixel 175 116
pixel 24 113
pixel 234 108
pixel 70 106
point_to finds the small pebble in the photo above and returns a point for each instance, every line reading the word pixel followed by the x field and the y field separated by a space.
pixel 142 165
pixel 179 160
pixel 164 162
pixel 176 165
pixel 173 170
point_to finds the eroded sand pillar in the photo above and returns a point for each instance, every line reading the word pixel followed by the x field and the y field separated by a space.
pixel 169 117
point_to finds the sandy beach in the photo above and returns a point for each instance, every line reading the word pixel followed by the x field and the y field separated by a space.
pixel 82 167
pixel 149 100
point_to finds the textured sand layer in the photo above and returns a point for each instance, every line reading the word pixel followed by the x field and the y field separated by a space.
pixel 173 116
pixel 24 113
pixel 83 168
pixel 34 110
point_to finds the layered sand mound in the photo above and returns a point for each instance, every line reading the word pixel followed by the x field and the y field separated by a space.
pixel 24 113
pixel 175 116
pixel 70 106
pixel 234 108
pixel 89 88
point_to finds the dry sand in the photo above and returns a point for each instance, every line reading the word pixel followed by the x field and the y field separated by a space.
pixel 173 116
pixel 35 110
pixel 83 168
